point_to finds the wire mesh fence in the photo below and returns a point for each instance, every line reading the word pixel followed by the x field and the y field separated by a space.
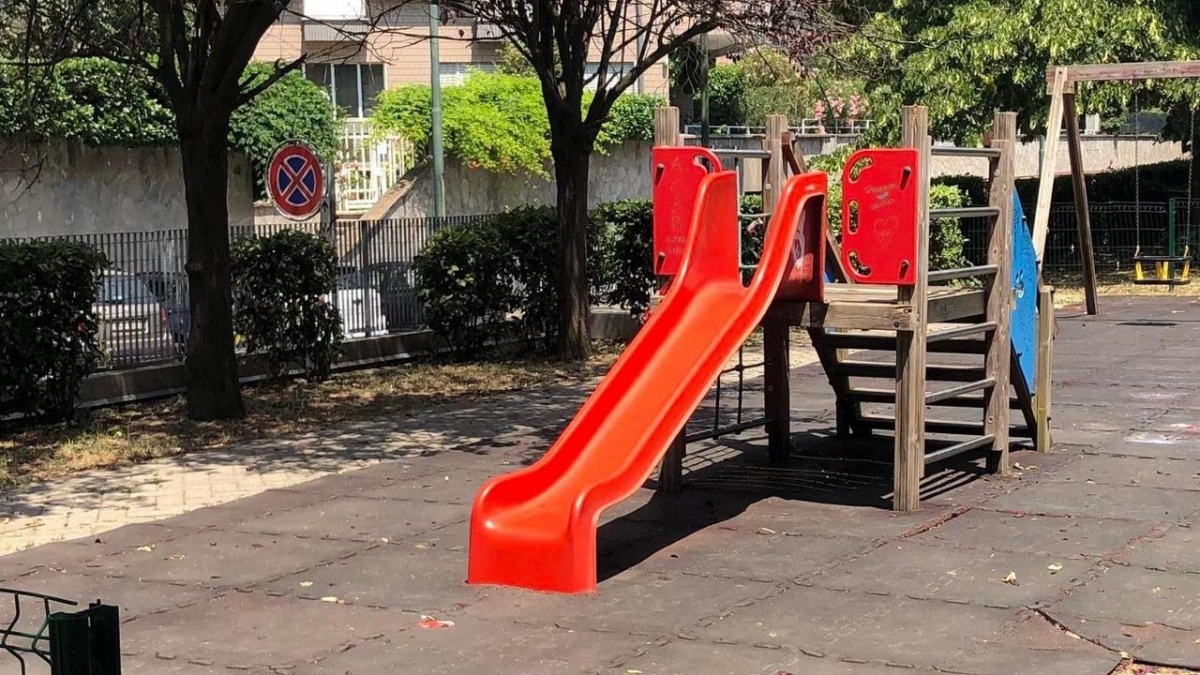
pixel 143 305
pixel 1118 230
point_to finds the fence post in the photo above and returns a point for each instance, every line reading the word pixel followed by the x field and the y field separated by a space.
pixel 1171 234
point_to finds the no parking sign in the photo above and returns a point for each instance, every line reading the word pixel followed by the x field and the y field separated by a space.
pixel 295 180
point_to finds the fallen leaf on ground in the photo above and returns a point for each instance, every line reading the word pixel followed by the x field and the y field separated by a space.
pixel 1011 579
pixel 146 549
pixel 430 622
pixel 1055 568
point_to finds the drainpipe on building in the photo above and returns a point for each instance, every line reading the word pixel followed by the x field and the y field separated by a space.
pixel 435 85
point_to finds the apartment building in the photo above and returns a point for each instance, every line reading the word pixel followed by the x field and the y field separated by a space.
pixel 357 49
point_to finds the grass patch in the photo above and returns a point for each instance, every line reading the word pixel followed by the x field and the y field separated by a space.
pixel 120 435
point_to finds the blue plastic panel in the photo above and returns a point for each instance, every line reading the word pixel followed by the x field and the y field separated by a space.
pixel 1025 289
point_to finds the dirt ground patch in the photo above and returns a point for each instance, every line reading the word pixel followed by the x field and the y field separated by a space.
pixel 137 432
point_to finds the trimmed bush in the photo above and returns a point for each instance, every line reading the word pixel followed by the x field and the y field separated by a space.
pixel 529 236
pixel 621 258
pixel 48 325
pixel 465 284
pixel 280 287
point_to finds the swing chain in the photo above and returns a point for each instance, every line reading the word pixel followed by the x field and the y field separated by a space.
pixel 1137 170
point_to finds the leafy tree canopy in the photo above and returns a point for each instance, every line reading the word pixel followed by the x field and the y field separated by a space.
pixel 101 102
pixel 966 58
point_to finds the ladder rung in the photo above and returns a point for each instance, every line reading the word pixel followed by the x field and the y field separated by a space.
pixel 934 426
pixel 958 449
pixel 887 343
pixel 965 212
pixel 960 331
pixel 874 395
pixel 888 371
pixel 951 151
pixel 954 392
pixel 963 272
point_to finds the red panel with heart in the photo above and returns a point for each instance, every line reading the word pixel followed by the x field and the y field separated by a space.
pixel 879 216
pixel 676 172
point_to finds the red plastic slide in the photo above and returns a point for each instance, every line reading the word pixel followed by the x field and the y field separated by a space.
pixel 536 527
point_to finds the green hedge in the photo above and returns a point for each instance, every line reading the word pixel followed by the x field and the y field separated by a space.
pixel 48 325
pixel 498 122
pixel 280 287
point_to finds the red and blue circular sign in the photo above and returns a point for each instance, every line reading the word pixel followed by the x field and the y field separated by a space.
pixel 295 180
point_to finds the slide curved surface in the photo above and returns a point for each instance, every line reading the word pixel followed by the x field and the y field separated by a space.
pixel 536 527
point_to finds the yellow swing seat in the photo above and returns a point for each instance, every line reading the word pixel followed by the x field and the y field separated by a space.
pixel 1165 268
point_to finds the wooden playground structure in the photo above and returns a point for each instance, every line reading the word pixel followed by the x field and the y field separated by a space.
pixel 977 338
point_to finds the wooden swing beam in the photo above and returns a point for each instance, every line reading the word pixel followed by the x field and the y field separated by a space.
pixel 1060 86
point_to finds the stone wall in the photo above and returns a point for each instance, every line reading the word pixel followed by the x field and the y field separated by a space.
pixel 1100 153
pixel 67 188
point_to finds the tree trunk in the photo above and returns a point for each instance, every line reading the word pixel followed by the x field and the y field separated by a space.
pixel 213 391
pixel 571 159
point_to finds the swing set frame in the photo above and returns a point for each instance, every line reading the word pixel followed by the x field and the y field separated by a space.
pixel 1061 84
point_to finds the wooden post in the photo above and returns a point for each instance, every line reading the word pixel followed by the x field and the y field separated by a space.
pixel 778 390
pixel 666 126
pixel 998 290
pixel 1041 216
pixel 774 168
pixel 909 464
pixel 670 474
pixel 1045 366
pixel 775 333
pixel 1083 218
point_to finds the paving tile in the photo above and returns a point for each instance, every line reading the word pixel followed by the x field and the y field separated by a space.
pixel 1100 501
pixel 1171 473
pixel 860 626
pixel 762 555
pixel 915 570
pixel 688 657
pixel 132 597
pixel 1177 550
pixel 252 630
pixel 476 647
pixel 638 601
pixel 400 577
pixel 359 519
pixel 1133 596
pixel 1062 536
pixel 222 559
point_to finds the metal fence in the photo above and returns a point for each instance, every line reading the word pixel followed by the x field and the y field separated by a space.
pixel 369 164
pixel 1118 229
pixel 143 299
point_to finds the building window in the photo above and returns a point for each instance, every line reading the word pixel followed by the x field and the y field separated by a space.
pixel 334 10
pixel 612 73
pixel 353 87
pixel 454 74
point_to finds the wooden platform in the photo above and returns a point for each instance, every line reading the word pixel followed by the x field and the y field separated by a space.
pixel 876 308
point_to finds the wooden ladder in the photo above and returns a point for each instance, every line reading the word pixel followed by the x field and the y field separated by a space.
pixel 983 386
